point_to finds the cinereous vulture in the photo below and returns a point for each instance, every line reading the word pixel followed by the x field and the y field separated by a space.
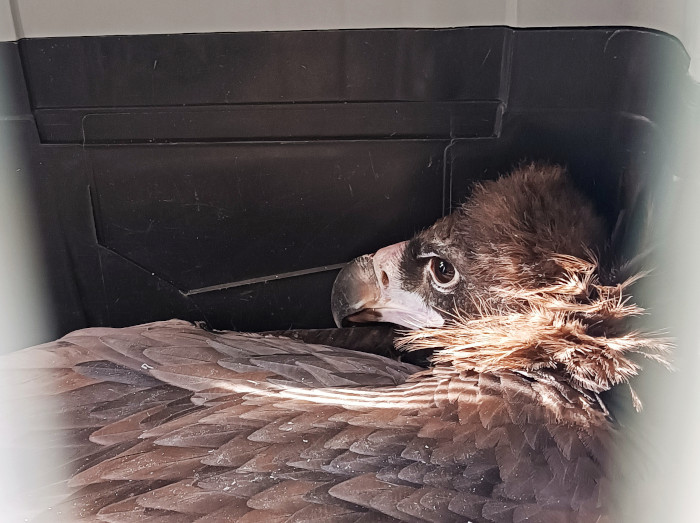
pixel 167 422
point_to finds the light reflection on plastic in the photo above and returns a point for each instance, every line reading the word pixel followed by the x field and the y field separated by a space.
pixel 661 463
pixel 23 322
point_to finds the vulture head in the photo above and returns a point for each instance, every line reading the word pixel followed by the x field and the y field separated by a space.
pixel 510 281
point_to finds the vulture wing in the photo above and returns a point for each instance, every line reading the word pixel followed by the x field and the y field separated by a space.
pixel 166 422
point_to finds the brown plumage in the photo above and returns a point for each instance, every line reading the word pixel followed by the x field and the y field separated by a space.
pixel 167 422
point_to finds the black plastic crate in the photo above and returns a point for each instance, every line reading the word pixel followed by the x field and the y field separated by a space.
pixel 227 177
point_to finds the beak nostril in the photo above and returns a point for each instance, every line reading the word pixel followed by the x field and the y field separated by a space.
pixel 385 279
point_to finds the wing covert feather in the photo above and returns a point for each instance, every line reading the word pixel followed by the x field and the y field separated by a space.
pixel 169 422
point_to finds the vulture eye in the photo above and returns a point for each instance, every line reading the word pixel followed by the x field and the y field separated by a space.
pixel 443 273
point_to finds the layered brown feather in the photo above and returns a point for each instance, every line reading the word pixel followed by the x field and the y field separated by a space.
pixel 264 440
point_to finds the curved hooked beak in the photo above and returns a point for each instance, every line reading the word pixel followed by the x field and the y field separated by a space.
pixel 368 289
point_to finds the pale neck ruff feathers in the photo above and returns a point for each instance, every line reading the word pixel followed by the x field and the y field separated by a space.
pixel 575 327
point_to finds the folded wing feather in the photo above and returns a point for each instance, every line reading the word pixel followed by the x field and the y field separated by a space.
pixel 168 422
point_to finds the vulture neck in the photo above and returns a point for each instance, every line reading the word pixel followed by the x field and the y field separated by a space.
pixel 574 329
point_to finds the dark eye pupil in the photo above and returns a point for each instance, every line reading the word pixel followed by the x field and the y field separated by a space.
pixel 443 270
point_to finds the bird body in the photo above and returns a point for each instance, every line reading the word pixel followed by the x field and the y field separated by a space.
pixel 183 424
pixel 167 422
